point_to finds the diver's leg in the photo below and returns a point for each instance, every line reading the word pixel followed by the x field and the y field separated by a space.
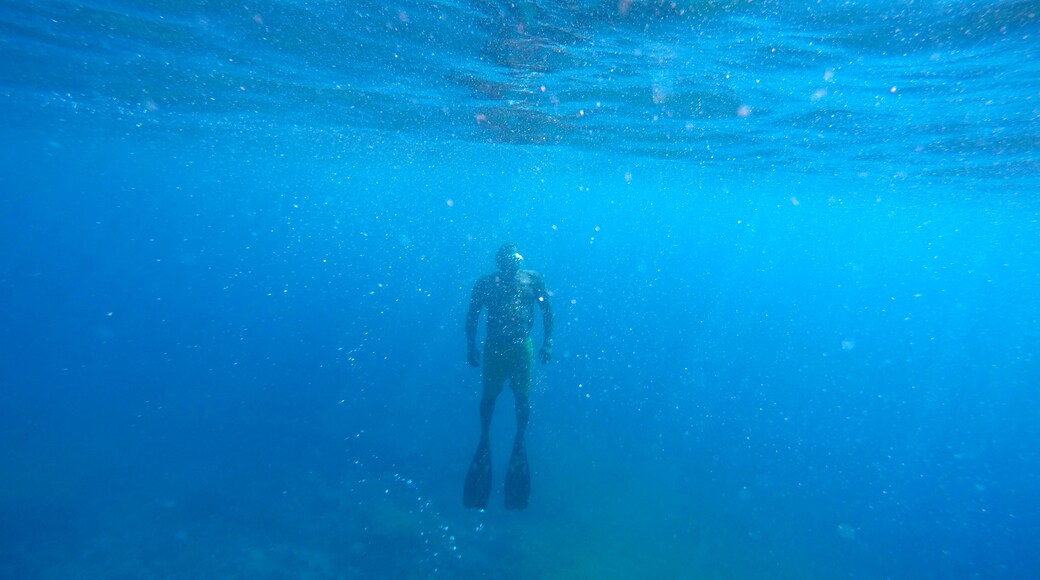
pixel 520 383
pixel 477 490
pixel 494 380
pixel 518 474
pixel 487 410
pixel 523 413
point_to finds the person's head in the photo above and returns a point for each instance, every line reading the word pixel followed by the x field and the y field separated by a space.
pixel 508 259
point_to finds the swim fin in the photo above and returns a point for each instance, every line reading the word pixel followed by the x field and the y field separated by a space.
pixel 518 478
pixel 477 490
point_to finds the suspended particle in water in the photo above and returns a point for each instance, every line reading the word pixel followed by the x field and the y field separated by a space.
pixel 846 532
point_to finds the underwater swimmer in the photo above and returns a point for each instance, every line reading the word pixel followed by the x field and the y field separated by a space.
pixel 509 295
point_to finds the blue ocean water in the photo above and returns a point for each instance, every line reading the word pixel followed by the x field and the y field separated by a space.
pixel 792 250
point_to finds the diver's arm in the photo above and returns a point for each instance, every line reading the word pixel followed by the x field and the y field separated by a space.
pixel 476 302
pixel 545 353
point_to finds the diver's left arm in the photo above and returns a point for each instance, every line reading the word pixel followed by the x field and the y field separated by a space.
pixel 544 353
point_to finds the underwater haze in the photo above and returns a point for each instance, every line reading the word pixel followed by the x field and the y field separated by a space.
pixel 793 250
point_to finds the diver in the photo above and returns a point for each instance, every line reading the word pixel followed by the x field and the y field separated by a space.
pixel 509 296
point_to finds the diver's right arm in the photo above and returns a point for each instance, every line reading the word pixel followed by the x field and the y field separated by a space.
pixel 476 302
